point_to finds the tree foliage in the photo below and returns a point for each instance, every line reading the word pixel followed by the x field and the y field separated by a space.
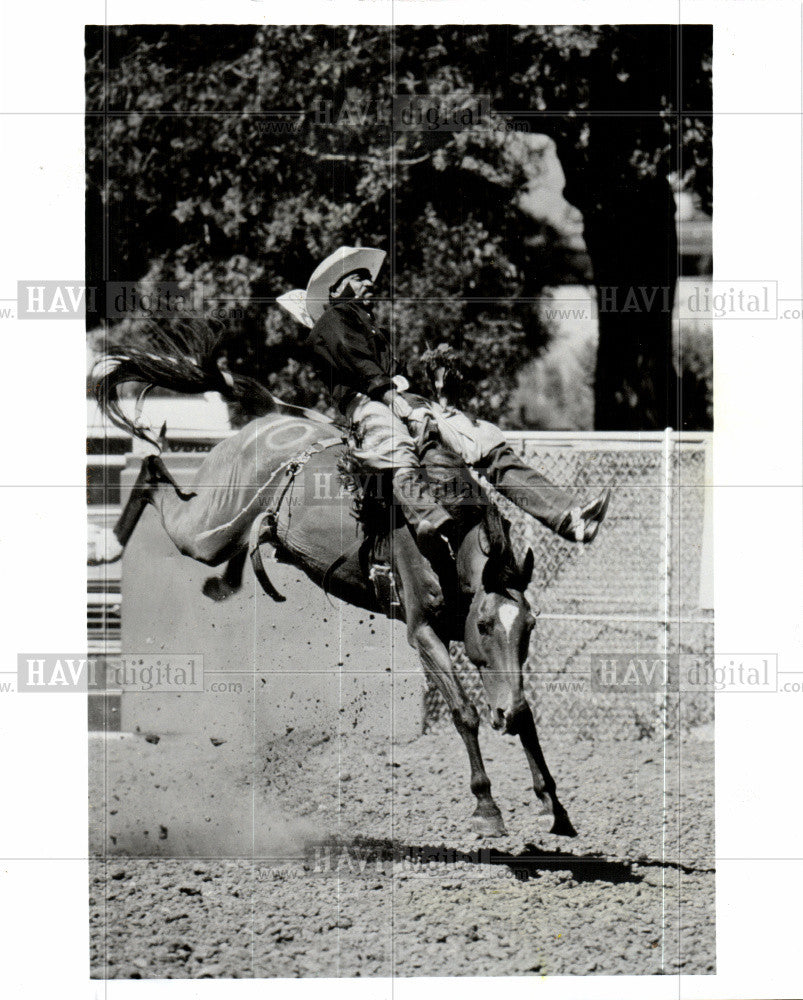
pixel 237 157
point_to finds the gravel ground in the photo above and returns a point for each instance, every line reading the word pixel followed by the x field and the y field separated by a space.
pixel 387 880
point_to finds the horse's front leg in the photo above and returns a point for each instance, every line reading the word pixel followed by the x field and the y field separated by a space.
pixel 422 603
pixel 487 818
pixel 543 782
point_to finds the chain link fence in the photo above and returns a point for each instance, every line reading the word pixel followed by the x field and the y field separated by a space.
pixel 640 590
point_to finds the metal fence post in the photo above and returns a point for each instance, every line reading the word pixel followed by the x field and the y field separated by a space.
pixel 707 555
pixel 662 695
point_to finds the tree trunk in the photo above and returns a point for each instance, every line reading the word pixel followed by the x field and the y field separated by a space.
pixel 632 242
pixel 631 239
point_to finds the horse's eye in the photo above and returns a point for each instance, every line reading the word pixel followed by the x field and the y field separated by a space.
pixel 484 627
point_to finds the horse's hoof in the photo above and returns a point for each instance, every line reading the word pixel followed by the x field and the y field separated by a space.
pixel 217 589
pixel 488 826
pixel 563 826
pixel 102 546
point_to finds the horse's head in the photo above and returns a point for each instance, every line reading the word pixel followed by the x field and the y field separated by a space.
pixel 499 623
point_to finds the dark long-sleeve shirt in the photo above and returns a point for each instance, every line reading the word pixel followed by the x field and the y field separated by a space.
pixel 350 353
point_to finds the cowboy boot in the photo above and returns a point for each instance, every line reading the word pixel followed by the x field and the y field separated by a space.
pixel 581 524
pixel 434 528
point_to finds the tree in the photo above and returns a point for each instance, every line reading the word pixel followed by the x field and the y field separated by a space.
pixel 626 121
pixel 640 125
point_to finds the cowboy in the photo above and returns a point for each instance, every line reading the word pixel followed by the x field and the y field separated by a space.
pixel 389 425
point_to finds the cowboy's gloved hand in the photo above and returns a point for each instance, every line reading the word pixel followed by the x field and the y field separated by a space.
pixel 412 411
pixel 396 401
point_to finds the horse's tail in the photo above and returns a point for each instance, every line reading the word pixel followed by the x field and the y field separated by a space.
pixel 185 357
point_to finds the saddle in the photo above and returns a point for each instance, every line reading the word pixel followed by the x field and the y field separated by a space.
pixel 334 518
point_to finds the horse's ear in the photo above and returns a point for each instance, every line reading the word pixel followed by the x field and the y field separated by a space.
pixel 527 569
pixel 491 581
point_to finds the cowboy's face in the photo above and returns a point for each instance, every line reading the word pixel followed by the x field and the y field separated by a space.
pixel 357 285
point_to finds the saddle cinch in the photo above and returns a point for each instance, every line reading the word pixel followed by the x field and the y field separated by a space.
pixel 333 517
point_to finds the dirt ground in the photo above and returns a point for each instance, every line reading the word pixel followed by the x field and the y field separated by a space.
pixel 367 867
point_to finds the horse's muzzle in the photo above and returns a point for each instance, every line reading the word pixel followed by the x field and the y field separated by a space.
pixel 511 721
pixel 506 722
pixel 498 720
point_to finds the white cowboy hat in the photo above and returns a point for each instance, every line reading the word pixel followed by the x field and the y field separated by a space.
pixel 334 269
pixel 295 303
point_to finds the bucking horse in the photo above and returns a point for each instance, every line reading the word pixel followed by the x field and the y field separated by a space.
pixel 284 481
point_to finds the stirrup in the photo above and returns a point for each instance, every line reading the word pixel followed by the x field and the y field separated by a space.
pixel 383 580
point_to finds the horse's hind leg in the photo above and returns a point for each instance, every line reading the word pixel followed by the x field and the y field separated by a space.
pixel 220 588
pixel 138 500
pixel 107 546
pixel 154 485
pixel 190 520
pixel 152 475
